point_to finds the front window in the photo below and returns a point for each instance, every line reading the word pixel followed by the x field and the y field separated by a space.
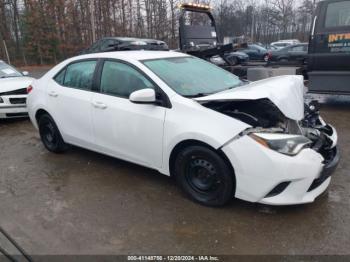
pixel 192 77
pixel 298 48
pixel 7 71
pixel 121 80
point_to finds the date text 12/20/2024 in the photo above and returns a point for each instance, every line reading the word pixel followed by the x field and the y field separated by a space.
pixel 173 258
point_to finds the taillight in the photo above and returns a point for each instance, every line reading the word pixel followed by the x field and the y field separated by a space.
pixel 29 89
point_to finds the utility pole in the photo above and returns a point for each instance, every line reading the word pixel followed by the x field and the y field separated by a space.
pixel 92 14
pixel 253 26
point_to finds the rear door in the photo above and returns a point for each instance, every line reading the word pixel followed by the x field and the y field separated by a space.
pixel 330 37
pixel 69 101
pixel 297 54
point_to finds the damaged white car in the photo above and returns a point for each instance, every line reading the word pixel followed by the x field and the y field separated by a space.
pixel 218 136
pixel 13 92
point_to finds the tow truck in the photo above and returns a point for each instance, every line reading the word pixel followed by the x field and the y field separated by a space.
pixel 329 48
pixel 201 40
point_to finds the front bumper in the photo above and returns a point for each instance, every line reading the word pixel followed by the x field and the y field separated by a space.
pixel 13 106
pixel 259 171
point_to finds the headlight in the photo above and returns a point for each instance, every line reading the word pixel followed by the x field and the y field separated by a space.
pixel 285 144
pixel 1 100
pixel 217 60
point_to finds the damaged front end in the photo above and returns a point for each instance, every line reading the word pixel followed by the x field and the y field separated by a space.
pixel 273 130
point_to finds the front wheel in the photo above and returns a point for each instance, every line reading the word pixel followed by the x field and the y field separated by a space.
pixel 204 175
pixel 50 135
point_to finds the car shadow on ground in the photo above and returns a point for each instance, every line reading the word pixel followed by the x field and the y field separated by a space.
pixel 168 184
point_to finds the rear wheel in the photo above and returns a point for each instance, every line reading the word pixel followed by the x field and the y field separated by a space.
pixel 266 58
pixel 283 60
pixel 233 60
pixel 50 135
pixel 204 175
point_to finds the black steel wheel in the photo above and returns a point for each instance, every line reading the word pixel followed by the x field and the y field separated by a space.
pixel 204 175
pixel 50 135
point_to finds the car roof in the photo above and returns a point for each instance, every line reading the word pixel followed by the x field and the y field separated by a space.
pixel 299 44
pixel 130 39
pixel 138 55
pixel 256 45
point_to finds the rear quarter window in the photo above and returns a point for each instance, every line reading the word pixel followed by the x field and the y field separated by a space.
pixel 59 78
pixel 80 75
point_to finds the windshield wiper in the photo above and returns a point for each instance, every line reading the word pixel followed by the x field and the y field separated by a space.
pixel 198 95
pixel 7 76
pixel 242 83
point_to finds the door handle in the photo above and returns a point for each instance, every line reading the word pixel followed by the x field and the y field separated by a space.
pixel 99 105
pixel 53 94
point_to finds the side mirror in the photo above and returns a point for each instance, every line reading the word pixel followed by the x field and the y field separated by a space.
pixel 25 73
pixel 143 96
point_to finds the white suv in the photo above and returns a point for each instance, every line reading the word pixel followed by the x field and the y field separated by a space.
pixel 284 43
pixel 220 137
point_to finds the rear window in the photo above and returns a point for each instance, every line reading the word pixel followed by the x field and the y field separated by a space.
pixel 80 75
pixel 281 44
pixel 338 14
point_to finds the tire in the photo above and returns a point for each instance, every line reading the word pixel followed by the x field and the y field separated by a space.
pixel 283 60
pixel 233 61
pixel 50 135
pixel 204 176
pixel 266 58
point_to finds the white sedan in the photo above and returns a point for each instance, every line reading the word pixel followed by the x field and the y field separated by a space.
pixel 13 92
pixel 218 136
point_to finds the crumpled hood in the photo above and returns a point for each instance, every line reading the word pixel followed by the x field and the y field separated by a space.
pixel 286 92
pixel 14 83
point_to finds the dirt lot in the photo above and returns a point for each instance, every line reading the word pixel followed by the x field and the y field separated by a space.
pixel 86 203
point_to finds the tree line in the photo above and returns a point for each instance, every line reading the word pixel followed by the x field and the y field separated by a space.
pixel 48 31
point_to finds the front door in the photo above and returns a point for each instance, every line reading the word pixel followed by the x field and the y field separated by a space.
pixel 129 131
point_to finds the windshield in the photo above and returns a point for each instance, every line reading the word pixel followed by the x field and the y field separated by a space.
pixel 192 77
pixel 8 71
pixel 257 47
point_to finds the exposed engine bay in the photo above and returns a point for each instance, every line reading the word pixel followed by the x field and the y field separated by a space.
pixel 265 117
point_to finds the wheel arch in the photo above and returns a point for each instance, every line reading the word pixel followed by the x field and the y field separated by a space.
pixel 283 57
pixel 193 142
pixel 39 113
